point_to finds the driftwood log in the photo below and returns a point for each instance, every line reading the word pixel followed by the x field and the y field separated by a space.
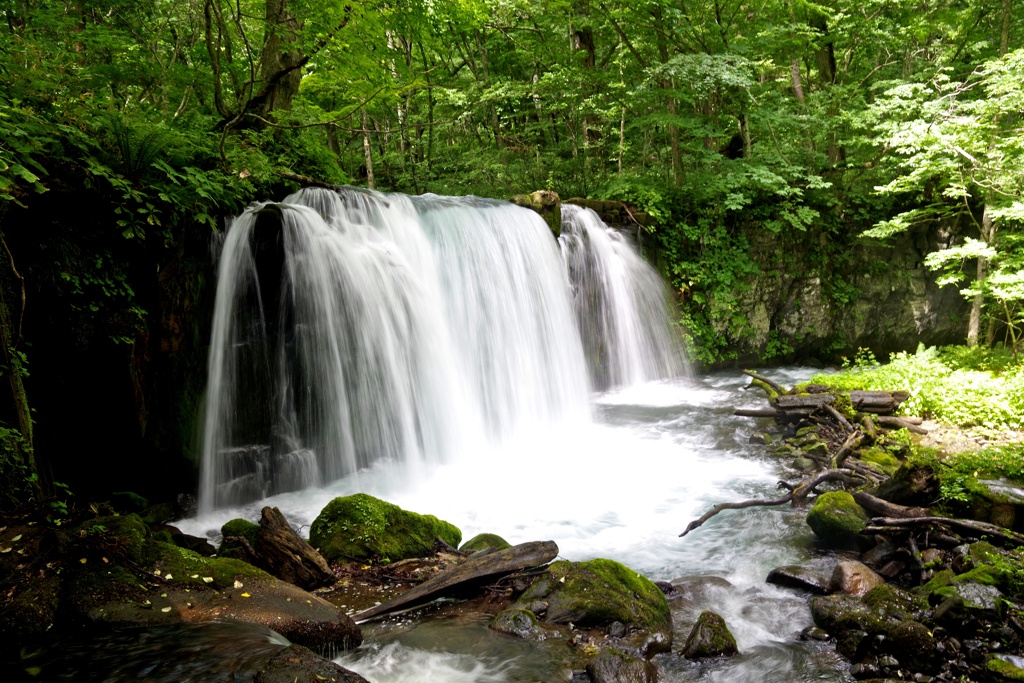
pixel 797 495
pixel 286 555
pixel 473 570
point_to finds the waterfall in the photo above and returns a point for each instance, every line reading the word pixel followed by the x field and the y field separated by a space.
pixel 622 305
pixel 353 327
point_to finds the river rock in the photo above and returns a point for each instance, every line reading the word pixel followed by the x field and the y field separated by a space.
pixel 361 527
pixel 837 518
pixel 199 653
pixel 520 623
pixel 710 637
pixel 854 578
pixel 485 542
pixel 795 576
pixel 546 203
pixel 598 593
pixel 612 665
pixel 120 578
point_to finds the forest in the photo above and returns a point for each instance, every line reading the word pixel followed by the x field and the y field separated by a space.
pixel 131 130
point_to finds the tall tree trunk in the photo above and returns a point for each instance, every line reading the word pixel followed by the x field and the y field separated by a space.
pixel 988 234
pixel 368 151
pixel 988 226
pixel 280 62
pixel 826 59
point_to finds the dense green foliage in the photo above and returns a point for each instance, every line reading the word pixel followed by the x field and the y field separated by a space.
pixel 962 386
pixel 129 129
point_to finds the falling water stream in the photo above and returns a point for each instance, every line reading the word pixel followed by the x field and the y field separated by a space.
pixel 447 355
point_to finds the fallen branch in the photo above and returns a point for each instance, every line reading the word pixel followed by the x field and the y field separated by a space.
pixel 851 444
pixel 884 508
pixel 774 386
pixel 890 422
pixel 838 417
pixel 797 495
pixel 758 412
pixel 888 524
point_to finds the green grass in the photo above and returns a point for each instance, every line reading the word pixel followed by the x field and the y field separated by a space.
pixel 965 387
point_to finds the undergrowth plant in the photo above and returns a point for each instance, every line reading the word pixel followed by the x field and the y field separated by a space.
pixel 965 387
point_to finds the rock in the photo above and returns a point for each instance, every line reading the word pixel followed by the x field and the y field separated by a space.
pixel 1005 668
pixel 880 460
pixel 361 527
pixel 854 578
pixel 287 556
pixel 174 535
pixel 710 637
pixel 795 576
pixel 301 617
pixel 546 203
pixel 879 554
pixel 520 623
pixel 837 518
pixel 612 665
pixel 31 611
pixel 981 601
pixel 485 542
pixel 599 592
pixel 241 528
pixel 198 653
pixel 128 501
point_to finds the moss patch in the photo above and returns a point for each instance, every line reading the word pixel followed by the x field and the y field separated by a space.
pixel 600 591
pixel 361 527
pixel 836 517
pixel 484 542
pixel 710 637
pixel 242 528
pixel 881 460
pixel 185 566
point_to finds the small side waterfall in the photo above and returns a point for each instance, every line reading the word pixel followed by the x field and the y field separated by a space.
pixel 353 327
pixel 622 305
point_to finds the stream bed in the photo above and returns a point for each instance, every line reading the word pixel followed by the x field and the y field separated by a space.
pixel 621 485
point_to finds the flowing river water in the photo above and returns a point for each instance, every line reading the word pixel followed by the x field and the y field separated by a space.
pixel 449 356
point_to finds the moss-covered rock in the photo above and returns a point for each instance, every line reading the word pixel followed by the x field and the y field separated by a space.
pixel 837 518
pixel 241 528
pixel 180 565
pixel 546 203
pixel 31 610
pixel 1002 670
pixel 598 593
pixel 113 536
pixel 710 637
pixel 485 542
pixel 361 527
pixel 880 460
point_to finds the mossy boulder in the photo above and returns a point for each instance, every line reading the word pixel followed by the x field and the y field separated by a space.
pixel 881 460
pixel 113 536
pixel 837 518
pixel 598 593
pixel 242 528
pixel 30 612
pixel 710 637
pixel 180 565
pixel 546 203
pixel 361 527
pixel 485 542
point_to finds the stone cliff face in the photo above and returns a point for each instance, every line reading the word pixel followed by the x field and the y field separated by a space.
pixel 882 298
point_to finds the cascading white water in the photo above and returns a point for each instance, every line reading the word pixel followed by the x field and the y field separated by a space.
pixel 352 327
pixel 622 305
